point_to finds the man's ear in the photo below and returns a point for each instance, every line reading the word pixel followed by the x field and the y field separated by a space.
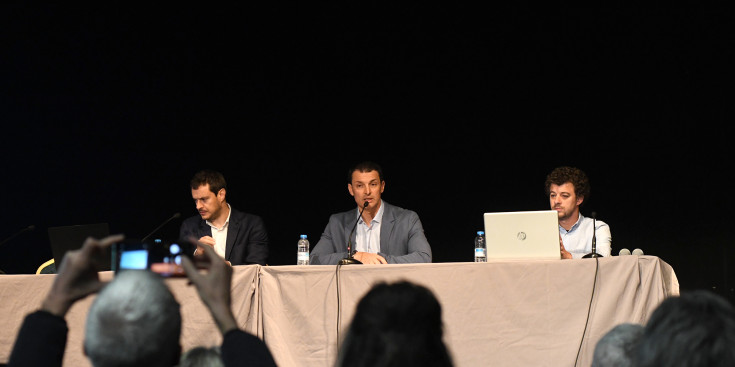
pixel 221 194
pixel 580 199
pixel 349 188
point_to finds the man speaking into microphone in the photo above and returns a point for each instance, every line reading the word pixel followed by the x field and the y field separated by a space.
pixel 239 237
pixel 383 234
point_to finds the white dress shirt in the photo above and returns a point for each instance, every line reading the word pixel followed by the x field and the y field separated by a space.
pixel 368 237
pixel 578 239
pixel 220 235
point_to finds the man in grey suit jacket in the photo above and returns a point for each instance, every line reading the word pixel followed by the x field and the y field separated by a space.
pixel 384 234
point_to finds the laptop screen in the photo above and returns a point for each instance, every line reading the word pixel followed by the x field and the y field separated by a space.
pixel 66 238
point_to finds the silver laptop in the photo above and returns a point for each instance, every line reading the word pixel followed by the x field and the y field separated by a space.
pixel 522 235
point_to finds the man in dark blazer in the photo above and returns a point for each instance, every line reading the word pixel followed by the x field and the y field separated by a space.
pixel 385 234
pixel 240 238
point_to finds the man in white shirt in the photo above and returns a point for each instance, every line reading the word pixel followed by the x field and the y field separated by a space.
pixel 239 237
pixel 567 188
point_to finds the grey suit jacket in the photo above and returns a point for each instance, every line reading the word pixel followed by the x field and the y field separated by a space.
pixel 402 238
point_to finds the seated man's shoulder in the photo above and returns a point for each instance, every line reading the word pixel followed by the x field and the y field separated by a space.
pixel 598 223
pixel 399 212
pixel 192 221
pixel 240 215
pixel 341 215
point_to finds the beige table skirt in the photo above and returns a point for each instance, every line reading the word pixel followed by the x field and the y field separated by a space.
pixel 510 313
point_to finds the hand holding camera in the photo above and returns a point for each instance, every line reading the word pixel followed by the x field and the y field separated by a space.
pixel 164 258
pixel 213 285
pixel 78 276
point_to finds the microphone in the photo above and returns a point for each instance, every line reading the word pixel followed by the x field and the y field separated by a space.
pixel 594 240
pixel 349 259
pixel 26 229
pixel 637 252
pixel 624 252
pixel 161 226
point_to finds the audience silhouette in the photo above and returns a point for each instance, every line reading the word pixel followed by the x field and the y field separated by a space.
pixel 397 324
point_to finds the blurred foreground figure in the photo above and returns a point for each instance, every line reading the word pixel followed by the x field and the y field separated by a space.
pixel 397 324
pixel 694 329
pixel 614 348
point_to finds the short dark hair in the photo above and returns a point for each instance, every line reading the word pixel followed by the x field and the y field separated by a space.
pixel 366 166
pixel 694 329
pixel 574 175
pixel 214 179
pixel 398 324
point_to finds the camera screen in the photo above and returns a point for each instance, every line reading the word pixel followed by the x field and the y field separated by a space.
pixel 158 256
pixel 130 254
pixel 170 264
pixel 134 259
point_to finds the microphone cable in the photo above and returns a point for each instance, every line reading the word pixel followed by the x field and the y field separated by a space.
pixel 339 303
pixel 339 265
pixel 589 310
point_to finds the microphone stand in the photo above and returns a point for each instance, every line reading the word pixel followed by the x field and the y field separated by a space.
pixel 161 226
pixel 350 259
pixel 594 253
pixel 26 229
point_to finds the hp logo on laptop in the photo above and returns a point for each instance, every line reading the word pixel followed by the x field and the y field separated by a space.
pixel 521 236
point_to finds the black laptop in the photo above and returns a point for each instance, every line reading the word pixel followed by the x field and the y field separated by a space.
pixel 67 238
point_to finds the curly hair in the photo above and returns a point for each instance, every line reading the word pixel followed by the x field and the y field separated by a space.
pixel 575 176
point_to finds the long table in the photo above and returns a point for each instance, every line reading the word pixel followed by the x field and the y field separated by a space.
pixel 510 313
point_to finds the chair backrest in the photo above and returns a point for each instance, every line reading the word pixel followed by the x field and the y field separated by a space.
pixel 49 267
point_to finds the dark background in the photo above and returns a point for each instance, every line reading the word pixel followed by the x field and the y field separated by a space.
pixel 108 110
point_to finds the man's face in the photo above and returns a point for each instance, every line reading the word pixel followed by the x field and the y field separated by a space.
pixel 366 186
pixel 563 199
pixel 208 204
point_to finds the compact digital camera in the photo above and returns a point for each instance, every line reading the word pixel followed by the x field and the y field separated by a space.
pixel 162 257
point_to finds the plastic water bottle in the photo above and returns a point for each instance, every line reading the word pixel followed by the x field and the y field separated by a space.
pixel 480 248
pixel 302 256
